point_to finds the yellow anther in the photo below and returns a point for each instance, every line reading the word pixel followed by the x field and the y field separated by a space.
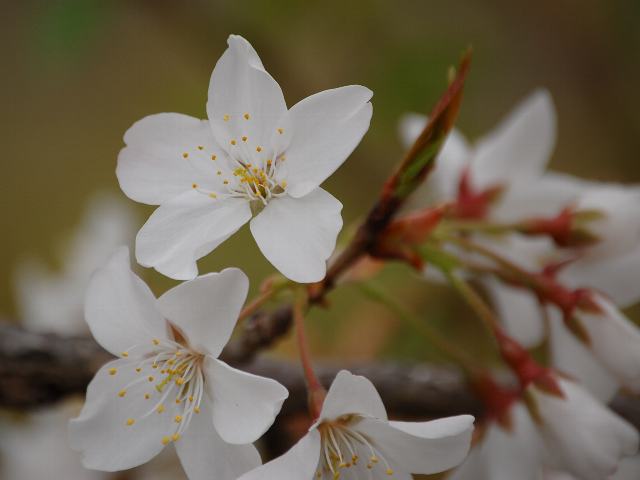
pixel 179 381
pixel 178 418
pixel 160 408
pixel 226 182
pixel 233 142
pixel 269 162
pixel 283 184
pixel 374 459
pixel 389 471
pixel 246 116
pixel 219 172
pixel 244 138
pixel 147 396
pixel 138 370
pixel 113 371
pixel 178 353
pixel 155 341
pixel 226 118
pixel 281 131
pixel 258 149
pixel 154 365
pixel 196 410
pixel 194 185
pixel 185 155
pixel 191 398
pixel 150 378
pixel 165 440
pixel 175 437
pixel 125 354
pixel 213 157
pixel 122 393
pixel 130 422
pixel 178 401
pixel 213 195
pixel 200 147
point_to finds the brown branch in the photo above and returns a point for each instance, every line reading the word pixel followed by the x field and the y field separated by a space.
pixel 39 369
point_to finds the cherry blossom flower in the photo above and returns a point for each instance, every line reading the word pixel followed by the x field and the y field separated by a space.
pixel 168 386
pixel 504 452
pixel 251 160
pixel 352 438
pixel 50 301
pixel 513 154
pixel 34 447
pixel 580 435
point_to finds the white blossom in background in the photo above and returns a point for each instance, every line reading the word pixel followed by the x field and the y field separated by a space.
pixel 580 435
pixel 353 439
pixel 515 153
pixel 51 301
pixel 504 452
pixel 629 469
pixel 34 447
pixel 168 387
pixel 252 160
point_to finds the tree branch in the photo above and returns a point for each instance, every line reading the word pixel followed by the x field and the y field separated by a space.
pixel 39 369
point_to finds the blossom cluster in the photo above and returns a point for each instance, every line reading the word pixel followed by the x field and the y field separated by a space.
pixel 557 257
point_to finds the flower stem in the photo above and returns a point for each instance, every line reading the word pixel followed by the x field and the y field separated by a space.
pixel 450 350
pixel 475 301
pixel 316 392
pixel 270 287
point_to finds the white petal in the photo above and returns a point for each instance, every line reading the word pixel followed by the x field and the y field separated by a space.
pixel 244 100
pixel 187 228
pixel 504 454
pixel 616 276
pixel 519 310
pixel 583 436
pixel 327 127
pixel 520 147
pixel 299 463
pixel 619 229
pixel 544 197
pixel 152 168
pixel 101 432
pixel 571 356
pixel 119 307
pixel 351 393
pixel 629 469
pixel 206 308
pixel 202 452
pixel 34 446
pixel 422 447
pixel 298 235
pixel 615 341
pixel 443 182
pixel 244 406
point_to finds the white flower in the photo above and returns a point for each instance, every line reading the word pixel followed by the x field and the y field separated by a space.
pixel 611 338
pixel 253 157
pixel 168 386
pixel 514 153
pixel 33 448
pixel 504 453
pixel 353 439
pixel 53 301
pixel 581 436
pixel 629 469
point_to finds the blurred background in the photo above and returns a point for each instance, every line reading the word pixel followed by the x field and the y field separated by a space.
pixel 78 73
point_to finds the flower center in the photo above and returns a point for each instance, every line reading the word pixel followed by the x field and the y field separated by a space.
pixel 172 375
pixel 247 170
pixel 342 447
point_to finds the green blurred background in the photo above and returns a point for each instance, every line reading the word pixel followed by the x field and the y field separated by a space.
pixel 78 73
